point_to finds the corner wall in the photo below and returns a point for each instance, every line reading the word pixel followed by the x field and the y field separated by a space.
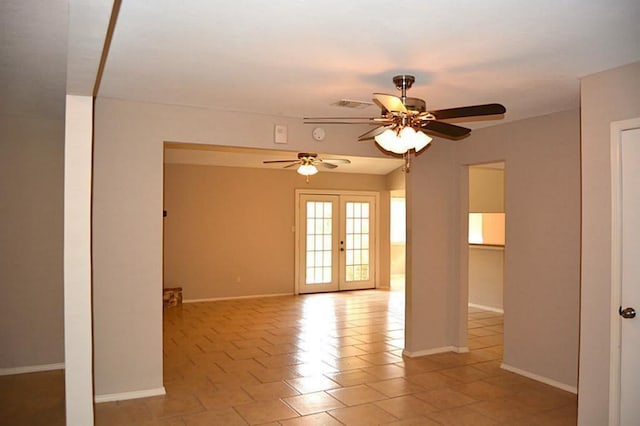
pixel 542 273
pixel 127 221
pixel 31 244
pixel 606 97
pixel 542 247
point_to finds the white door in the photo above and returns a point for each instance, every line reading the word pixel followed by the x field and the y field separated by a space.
pixel 336 242
pixel 630 277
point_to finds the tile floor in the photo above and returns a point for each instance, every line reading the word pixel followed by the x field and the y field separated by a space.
pixel 324 359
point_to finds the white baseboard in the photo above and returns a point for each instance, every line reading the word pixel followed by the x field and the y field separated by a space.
pixel 215 299
pixel 110 397
pixel 433 351
pixel 541 379
pixel 486 308
pixel 31 369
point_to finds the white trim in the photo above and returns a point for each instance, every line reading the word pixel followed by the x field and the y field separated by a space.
pixel 617 127
pixel 31 369
pixel 254 296
pixel 486 308
pixel 122 396
pixel 541 379
pixel 433 351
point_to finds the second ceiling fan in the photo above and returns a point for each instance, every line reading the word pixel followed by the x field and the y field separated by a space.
pixel 308 163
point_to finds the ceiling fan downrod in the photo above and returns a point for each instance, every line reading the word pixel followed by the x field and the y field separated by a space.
pixel 403 82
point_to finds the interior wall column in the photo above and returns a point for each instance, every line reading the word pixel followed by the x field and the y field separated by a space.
pixel 77 261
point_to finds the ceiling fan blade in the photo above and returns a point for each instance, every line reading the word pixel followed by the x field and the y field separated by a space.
pixel 373 133
pixel 336 161
pixel 362 121
pixel 326 165
pixel 280 161
pixel 389 102
pixel 469 111
pixel 336 118
pixel 291 165
pixel 445 129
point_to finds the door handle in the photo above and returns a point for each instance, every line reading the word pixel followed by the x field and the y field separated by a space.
pixel 627 312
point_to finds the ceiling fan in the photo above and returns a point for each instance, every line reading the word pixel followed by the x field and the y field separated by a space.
pixel 405 123
pixel 308 163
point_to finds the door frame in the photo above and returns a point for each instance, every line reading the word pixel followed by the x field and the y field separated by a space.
pixel 297 234
pixel 617 127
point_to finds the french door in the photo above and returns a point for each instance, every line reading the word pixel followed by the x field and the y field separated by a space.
pixel 336 242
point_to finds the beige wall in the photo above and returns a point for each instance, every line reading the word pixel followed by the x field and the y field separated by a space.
pixel 31 242
pixel 228 231
pixel 606 97
pixel 127 220
pixel 432 314
pixel 542 260
pixel 486 190
pixel 542 254
pixel 396 182
pixel 486 276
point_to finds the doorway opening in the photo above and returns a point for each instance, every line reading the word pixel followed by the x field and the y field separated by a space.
pixel 486 249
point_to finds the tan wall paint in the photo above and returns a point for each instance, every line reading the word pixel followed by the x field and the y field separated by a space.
pixel 542 255
pixel 228 231
pixel 486 276
pixel 431 311
pixel 31 242
pixel 542 259
pixel 486 190
pixel 396 181
pixel 606 97
pixel 127 220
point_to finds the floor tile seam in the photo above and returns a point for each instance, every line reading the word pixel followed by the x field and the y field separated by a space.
pixel 364 404
pixel 510 419
pixel 316 412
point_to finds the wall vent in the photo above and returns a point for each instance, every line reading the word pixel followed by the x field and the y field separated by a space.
pixel 349 103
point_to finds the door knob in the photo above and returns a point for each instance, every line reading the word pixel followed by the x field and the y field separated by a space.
pixel 627 312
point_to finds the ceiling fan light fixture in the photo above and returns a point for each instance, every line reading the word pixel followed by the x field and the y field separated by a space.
pixel 387 140
pixel 421 141
pixel 399 143
pixel 307 170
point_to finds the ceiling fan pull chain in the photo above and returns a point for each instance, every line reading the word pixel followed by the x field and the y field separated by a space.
pixel 407 161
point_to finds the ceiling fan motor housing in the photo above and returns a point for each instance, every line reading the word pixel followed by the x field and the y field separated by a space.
pixel 403 82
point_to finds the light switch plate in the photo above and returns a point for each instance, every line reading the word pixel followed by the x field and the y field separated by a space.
pixel 280 133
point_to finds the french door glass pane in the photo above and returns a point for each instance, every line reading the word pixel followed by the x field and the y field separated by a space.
pixel 357 241
pixel 319 242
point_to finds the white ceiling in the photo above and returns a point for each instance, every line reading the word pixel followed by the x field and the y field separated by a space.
pixel 296 57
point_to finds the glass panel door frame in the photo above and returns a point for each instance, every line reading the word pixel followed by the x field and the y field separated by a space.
pixel 338 282
pixel 319 255
pixel 355 245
